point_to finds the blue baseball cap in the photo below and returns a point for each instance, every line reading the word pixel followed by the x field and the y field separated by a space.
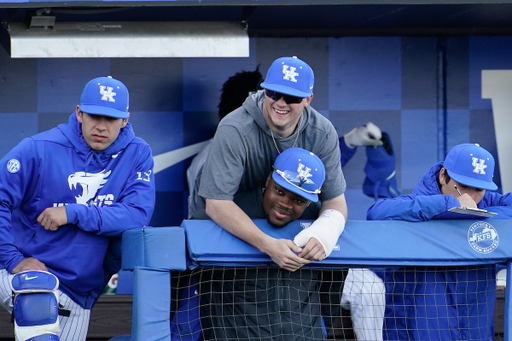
pixel 471 165
pixel 290 76
pixel 105 96
pixel 299 171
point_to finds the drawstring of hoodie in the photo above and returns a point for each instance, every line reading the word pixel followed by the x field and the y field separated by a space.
pixel 93 157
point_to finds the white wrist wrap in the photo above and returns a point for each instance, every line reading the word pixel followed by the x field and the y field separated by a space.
pixel 326 229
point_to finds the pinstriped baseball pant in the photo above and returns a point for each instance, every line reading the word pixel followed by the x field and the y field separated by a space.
pixel 364 294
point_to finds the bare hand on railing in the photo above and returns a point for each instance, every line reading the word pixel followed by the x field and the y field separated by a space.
pixel 313 250
pixel 284 253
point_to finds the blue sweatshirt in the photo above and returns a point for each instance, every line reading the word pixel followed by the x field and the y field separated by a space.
pixel 426 201
pixel 105 193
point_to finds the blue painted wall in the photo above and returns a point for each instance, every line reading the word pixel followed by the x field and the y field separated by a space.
pixel 424 91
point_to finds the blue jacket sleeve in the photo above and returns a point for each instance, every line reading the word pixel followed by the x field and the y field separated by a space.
pixel 346 152
pixel 18 180
pixel 411 208
pixel 134 208
pixel 498 203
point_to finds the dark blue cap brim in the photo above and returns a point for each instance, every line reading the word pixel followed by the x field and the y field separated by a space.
pixel 471 182
pixel 103 111
pixel 278 179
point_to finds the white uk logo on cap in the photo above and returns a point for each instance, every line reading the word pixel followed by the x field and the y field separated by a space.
pixel 479 166
pixel 289 73
pixel 107 93
pixel 304 175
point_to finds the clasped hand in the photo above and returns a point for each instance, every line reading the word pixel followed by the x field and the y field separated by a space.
pixel 290 257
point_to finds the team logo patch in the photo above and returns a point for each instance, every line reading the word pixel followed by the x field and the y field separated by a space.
pixel 289 73
pixel 483 237
pixel 305 225
pixel 13 166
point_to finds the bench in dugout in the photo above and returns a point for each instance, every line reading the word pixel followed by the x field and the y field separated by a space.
pixel 198 276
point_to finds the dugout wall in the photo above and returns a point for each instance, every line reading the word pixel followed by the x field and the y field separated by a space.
pixel 423 87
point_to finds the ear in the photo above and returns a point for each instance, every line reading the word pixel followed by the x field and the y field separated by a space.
pixel 269 177
pixel 78 114
pixel 442 176
pixel 308 100
pixel 125 121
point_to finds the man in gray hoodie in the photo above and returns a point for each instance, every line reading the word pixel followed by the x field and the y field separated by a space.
pixel 245 147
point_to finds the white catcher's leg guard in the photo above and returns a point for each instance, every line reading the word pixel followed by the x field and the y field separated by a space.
pixel 36 306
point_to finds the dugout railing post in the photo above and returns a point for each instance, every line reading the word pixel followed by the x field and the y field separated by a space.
pixel 151 253
pixel 508 306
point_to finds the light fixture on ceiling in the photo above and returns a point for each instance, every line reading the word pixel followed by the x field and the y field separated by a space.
pixel 126 39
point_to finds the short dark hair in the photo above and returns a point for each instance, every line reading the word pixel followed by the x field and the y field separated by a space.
pixel 236 89
pixel 446 177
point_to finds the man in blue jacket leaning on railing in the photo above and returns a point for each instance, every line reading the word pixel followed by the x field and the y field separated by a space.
pixel 444 303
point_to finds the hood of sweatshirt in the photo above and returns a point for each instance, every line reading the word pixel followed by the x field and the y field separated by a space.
pixel 428 184
pixel 73 132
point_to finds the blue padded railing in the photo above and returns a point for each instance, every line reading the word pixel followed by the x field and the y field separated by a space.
pixel 152 252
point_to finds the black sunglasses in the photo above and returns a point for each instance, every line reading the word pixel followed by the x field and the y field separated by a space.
pixel 275 96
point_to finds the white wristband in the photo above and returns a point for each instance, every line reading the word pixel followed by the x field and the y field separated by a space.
pixel 326 229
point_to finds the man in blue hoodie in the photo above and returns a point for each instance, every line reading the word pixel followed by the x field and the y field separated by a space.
pixel 68 193
pixel 444 303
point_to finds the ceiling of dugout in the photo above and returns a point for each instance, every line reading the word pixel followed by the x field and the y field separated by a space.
pixel 301 18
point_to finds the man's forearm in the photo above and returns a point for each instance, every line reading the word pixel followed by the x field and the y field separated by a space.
pixel 230 217
pixel 339 204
